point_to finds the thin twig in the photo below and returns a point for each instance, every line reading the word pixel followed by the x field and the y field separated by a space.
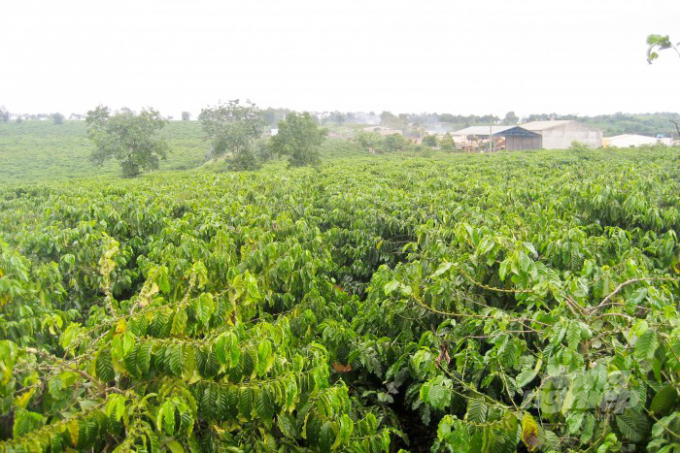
pixel 606 300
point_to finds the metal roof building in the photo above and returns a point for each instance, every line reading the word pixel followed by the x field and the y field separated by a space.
pixel 560 134
pixel 629 141
pixel 507 137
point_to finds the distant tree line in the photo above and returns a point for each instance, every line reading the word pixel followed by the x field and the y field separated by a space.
pixel 375 143
pixel 243 136
pixel 57 118
pixel 235 131
pixel 412 124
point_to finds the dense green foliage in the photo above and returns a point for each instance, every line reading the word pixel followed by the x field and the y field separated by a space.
pixel 231 128
pixel 375 143
pixel 299 138
pixel 430 140
pixel 447 143
pixel 130 138
pixel 525 301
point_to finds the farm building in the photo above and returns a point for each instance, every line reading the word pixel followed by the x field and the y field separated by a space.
pixel 628 141
pixel 633 141
pixel 510 138
pixel 560 134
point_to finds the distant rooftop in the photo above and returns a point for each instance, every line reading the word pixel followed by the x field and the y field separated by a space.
pixel 542 125
pixel 483 130
pixel 495 130
pixel 630 135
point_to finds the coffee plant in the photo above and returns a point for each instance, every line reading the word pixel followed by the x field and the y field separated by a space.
pixel 524 302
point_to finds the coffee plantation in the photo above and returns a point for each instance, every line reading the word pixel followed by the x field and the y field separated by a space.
pixel 518 302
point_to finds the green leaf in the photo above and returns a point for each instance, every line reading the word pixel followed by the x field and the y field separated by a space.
pixel 246 400
pixel 633 425
pixel 25 421
pixel 437 392
pixel 250 365
pixel 175 358
pixel 205 306
pixel 573 334
pixel 264 357
pixel 54 386
pixel 443 268
pixel 664 401
pixel 588 428
pixel 477 411
pixel 188 361
pixel 162 279
pixel 265 404
pixel 103 365
pixel 346 428
pixel 165 421
pixel 645 345
pixel 143 361
pixel 115 406
pixel 179 323
pixel 226 348
pixel 326 436
pixel 503 270
pixel 391 287
pixel 528 375
pixel 286 423
pixel 122 345
pixel 175 447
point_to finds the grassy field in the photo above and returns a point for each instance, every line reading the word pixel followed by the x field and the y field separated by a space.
pixel 38 151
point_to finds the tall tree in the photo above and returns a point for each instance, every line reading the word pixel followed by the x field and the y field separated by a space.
pixel 58 118
pixel 299 138
pixel 391 120
pixel 510 118
pixel 231 128
pixel 395 142
pixel 447 143
pixel 186 116
pixel 127 137
pixel 430 140
pixel 369 140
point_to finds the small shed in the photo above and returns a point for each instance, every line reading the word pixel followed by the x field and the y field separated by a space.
pixel 560 134
pixel 510 138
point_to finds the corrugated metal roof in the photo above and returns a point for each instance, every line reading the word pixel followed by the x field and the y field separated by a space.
pixel 482 130
pixel 543 125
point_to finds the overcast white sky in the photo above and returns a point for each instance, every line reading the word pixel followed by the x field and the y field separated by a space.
pixel 473 56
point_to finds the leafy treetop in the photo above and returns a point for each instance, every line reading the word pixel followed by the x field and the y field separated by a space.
pixel 231 127
pixel 299 138
pixel 127 137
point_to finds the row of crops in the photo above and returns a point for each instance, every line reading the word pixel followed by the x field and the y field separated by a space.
pixel 523 302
